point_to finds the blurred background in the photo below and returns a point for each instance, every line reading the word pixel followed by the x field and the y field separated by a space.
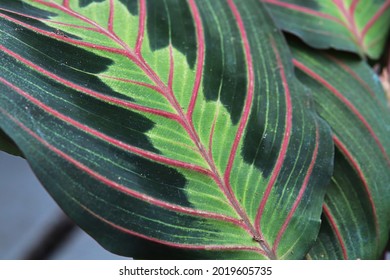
pixel 32 226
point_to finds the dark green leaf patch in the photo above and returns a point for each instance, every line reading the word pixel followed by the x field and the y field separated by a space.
pixel 84 3
pixel 69 62
pixel 22 7
pixel 225 77
pixel 167 23
pixel 34 23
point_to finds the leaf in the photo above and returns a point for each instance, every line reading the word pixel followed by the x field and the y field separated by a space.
pixel 174 128
pixel 359 26
pixel 348 95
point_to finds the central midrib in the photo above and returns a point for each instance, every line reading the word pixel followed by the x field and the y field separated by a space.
pixel 187 124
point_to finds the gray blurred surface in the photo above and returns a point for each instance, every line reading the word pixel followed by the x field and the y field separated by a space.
pixel 81 246
pixel 27 212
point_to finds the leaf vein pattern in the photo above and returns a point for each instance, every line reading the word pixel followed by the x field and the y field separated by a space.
pixel 286 138
pixel 347 103
pixel 109 182
pixel 300 195
pixel 337 232
pixel 340 145
pixel 182 117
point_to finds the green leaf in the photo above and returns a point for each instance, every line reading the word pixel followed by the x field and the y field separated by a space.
pixel 359 26
pixel 174 127
pixel 349 96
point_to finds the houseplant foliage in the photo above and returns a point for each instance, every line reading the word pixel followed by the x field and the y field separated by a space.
pixel 180 129
pixel 356 25
pixel 356 201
